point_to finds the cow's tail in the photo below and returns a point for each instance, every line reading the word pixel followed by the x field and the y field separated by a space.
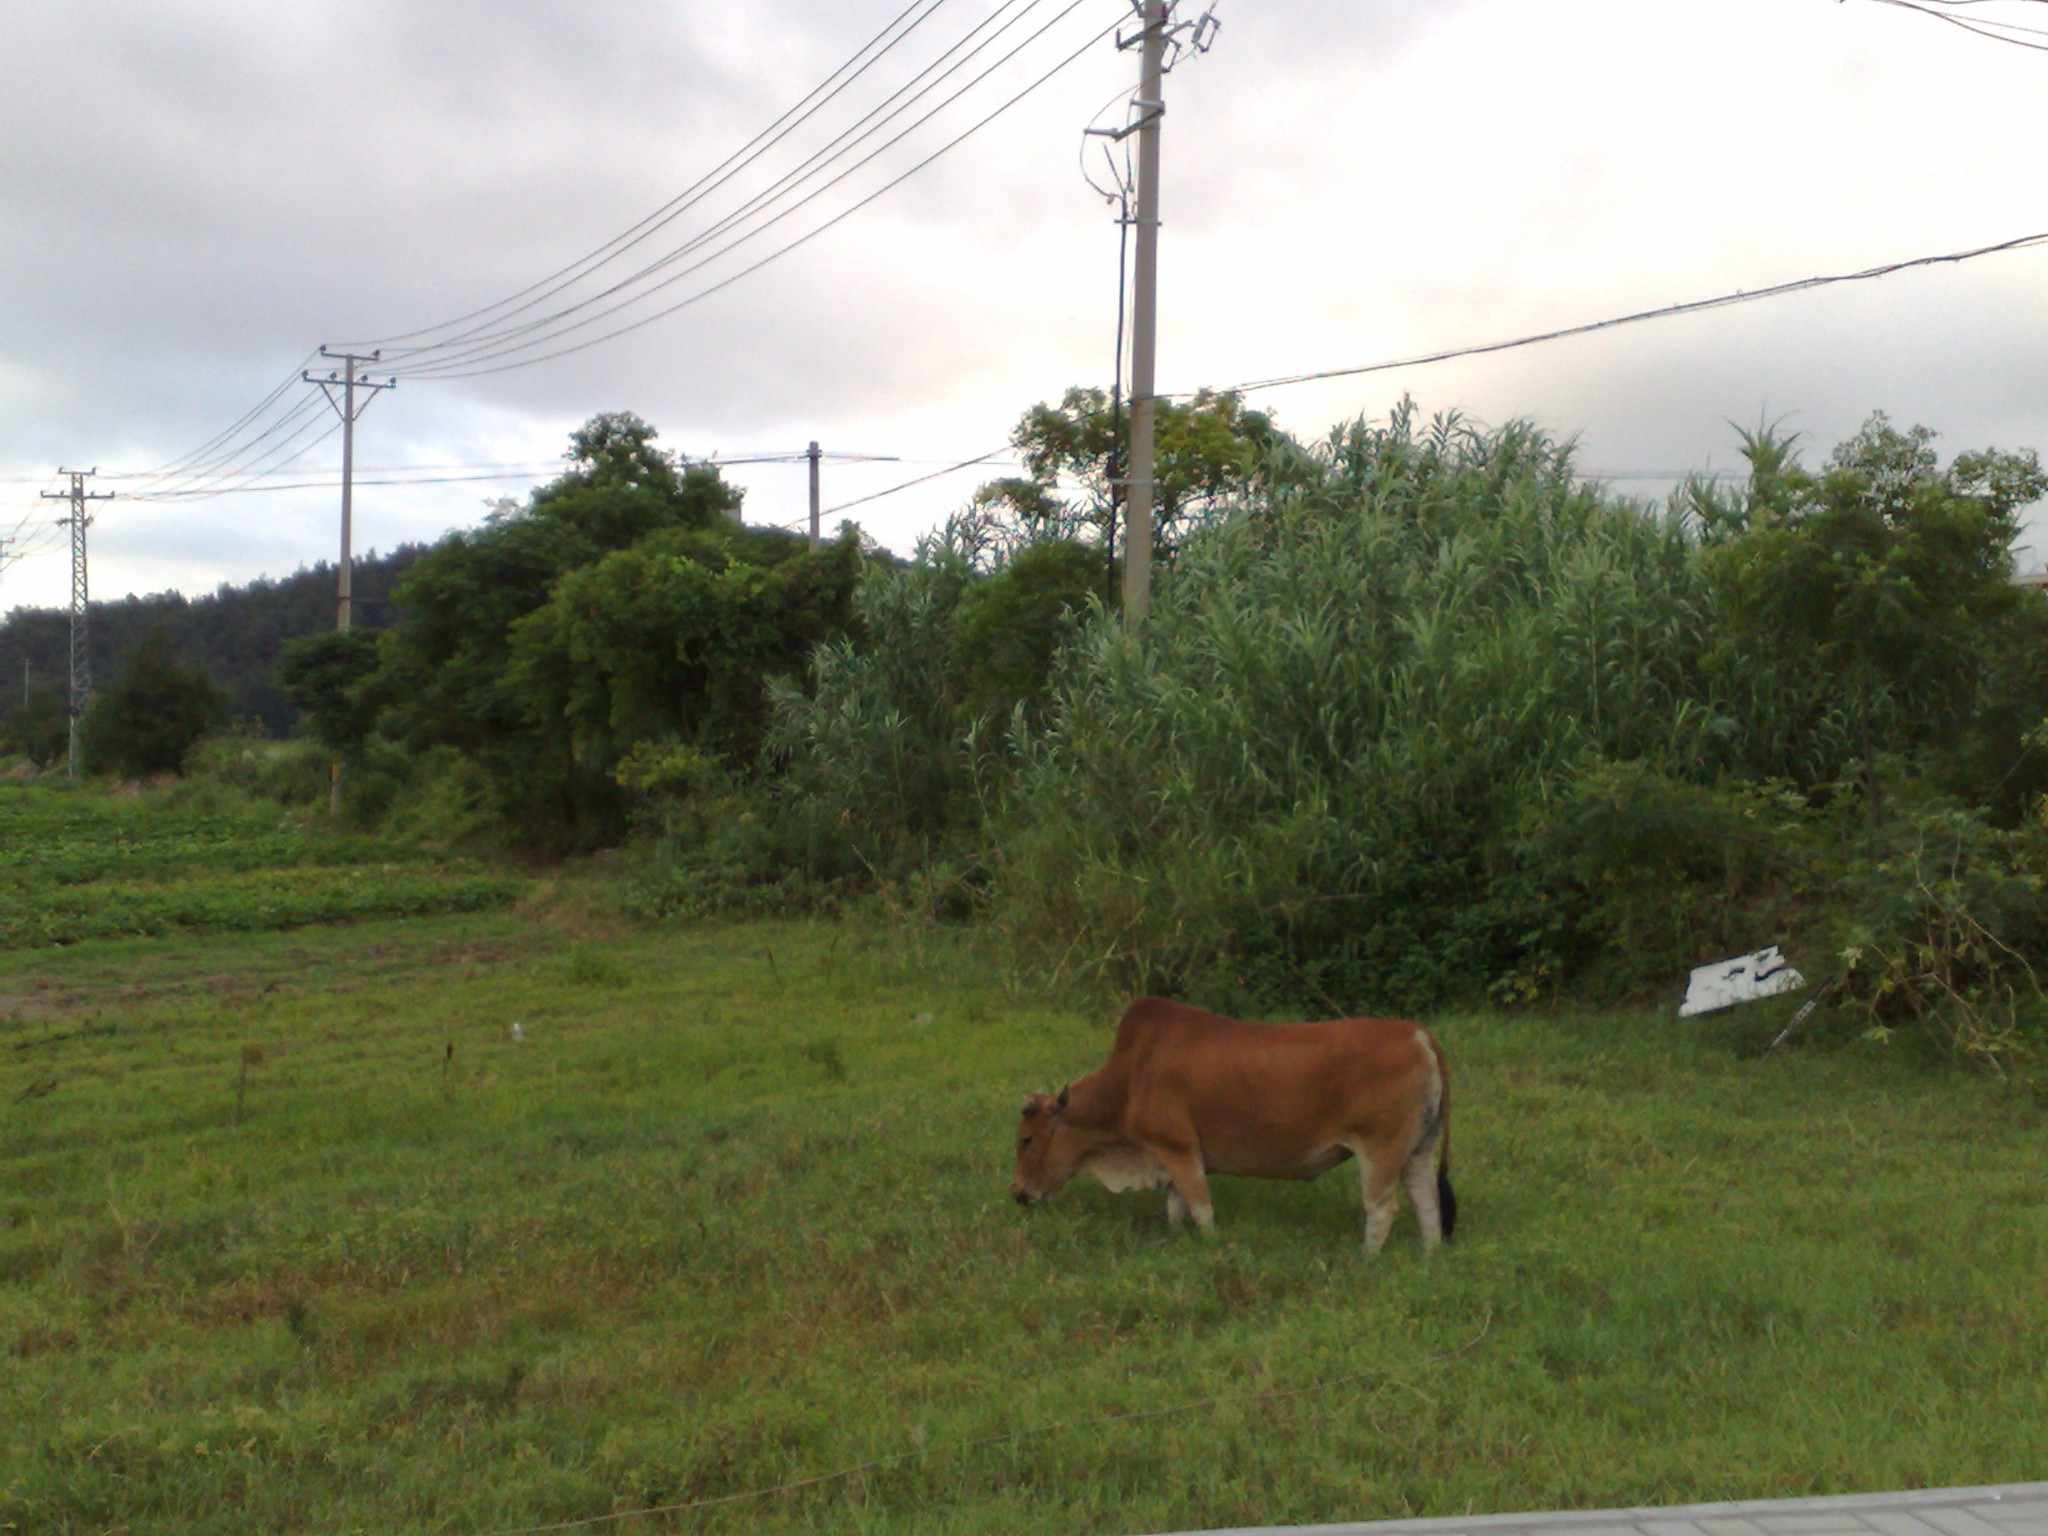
pixel 1446 1198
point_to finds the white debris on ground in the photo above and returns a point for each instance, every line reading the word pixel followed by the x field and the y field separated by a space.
pixel 1745 979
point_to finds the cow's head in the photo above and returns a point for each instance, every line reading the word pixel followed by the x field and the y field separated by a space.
pixel 1046 1150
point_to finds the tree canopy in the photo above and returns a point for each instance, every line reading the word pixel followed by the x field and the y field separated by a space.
pixel 1206 450
pixel 148 717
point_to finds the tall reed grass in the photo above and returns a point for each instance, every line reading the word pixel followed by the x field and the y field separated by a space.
pixel 1303 775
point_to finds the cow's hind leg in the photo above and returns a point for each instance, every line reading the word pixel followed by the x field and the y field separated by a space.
pixel 1378 1182
pixel 1176 1208
pixel 1418 1177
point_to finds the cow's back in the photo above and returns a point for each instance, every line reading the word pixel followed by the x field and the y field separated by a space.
pixel 1278 1100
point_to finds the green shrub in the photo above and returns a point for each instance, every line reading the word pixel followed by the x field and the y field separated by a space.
pixel 1948 916
pixel 439 795
pixel 292 773
pixel 1304 777
pixel 149 716
pixel 1632 876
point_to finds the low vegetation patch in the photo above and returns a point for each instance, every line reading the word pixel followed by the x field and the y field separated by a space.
pixel 93 863
pixel 297 1231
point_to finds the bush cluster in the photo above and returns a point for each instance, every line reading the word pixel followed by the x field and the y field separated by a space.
pixel 1418 713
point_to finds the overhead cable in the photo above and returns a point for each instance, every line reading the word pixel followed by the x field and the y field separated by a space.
pixel 767 138
pixel 2013 32
pixel 1696 306
pixel 920 480
pixel 447 370
pixel 478 339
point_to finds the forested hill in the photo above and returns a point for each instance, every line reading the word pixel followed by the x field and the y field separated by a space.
pixel 235 632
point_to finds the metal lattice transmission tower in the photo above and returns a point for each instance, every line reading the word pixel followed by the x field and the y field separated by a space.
pixel 81 634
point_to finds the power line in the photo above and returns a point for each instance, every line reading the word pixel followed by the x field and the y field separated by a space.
pixel 1740 296
pixel 293 449
pixel 1695 306
pixel 2012 32
pixel 230 458
pixel 920 480
pixel 398 476
pixel 774 133
pixel 484 337
pixel 445 369
pixel 173 466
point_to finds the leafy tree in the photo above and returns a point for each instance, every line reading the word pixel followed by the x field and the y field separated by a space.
pixel 447 668
pixel 1206 450
pixel 623 608
pixel 150 715
pixel 235 632
pixel 620 487
pixel 328 677
pixel 38 726
pixel 1010 625
pixel 673 639
pixel 1863 611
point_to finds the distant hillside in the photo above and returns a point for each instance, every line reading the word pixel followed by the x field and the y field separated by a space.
pixel 235 633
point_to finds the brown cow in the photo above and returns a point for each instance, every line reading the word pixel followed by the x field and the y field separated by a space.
pixel 1186 1093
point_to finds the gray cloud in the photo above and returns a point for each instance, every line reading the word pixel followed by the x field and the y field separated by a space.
pixel 193 197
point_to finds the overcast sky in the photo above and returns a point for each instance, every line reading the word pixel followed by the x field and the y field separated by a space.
pixel 196 195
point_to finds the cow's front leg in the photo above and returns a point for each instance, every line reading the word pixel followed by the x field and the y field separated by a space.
pixel 1190 1189
pixel 1176 1209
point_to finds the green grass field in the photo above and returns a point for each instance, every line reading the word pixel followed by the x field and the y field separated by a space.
pixel 295 1236
pixel 84 864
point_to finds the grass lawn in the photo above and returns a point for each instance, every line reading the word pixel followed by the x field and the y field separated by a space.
pixel 294 1235
pixel 80 863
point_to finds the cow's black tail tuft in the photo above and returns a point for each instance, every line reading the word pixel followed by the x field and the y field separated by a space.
pixel 1446 1199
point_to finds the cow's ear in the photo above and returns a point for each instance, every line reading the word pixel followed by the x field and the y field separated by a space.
pixel 1030 1104
pixel 1060 1104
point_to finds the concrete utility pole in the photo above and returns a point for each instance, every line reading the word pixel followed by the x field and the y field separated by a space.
pixel 348 381
pixel 1151 107
pixel 813 455
pixel 816 456
pixel 81 636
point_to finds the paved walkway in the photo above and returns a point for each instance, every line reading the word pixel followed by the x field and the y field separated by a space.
pixel 2015 1509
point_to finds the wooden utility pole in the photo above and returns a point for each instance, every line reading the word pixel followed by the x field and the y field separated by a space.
pixel 1151 107
pixel 81 616
pixel 347 382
